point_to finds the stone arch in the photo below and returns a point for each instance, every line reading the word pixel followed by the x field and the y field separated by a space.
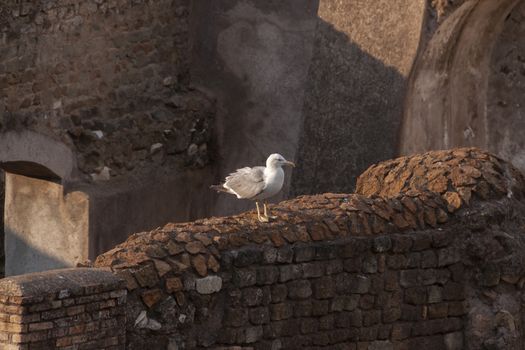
pixel 35 155
pixel 446 104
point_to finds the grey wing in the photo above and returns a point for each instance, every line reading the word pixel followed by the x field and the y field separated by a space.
pixel 246 182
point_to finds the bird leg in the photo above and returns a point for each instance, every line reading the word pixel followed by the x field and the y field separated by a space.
pixel 261 218
pixel 266 212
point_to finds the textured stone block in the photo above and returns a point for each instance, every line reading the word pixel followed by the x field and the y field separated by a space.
pixel 281 311
pixel 299 289
pixel 208 285
pixel 290 272
pixel 313 269
pixel 279 293
pixel 323 288
pixel 252 296
pixel 245 277
pixel 253 334
pixel 382 244
pixel 267 275
pixel 285 255
pixel 304 253
pixel 360 284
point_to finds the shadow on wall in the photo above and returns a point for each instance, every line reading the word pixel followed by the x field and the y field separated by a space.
pixel 352 112
pixel 289 82
pixel 29 257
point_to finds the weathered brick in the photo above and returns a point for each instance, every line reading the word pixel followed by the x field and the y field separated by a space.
pixel 320 307
pixel 326 322
pixel 245 277
pixel 285 255
pixel 448 256
pixel 281 311
pixel 334 267
pixel 439 310
pixel 401 331
pixel 382 244
pixel 279 293
pixel 313 269
pixel 391 314
pixel 369 264
pixel 396 262
pixel 401 243
pixel 409 278
pixel 453 291
pixel 300 289
pixel 309 325
pixel 428 259
pixel 252 296
pixel 236 317
pixel 253 334
pixel 290 272
pixel 371 317
pixel 421 241
pixel 304 253
pixel 267 275
pixel 323 288
pixel 415 295
pixel 259 315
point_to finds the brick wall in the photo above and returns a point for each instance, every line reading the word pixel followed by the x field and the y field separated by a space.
pixel 426 254
pixel 108 78
pixel 62 309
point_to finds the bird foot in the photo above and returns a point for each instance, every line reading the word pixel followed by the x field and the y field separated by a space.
pixel 264 219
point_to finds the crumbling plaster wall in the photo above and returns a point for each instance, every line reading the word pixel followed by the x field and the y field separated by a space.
pixel 428 253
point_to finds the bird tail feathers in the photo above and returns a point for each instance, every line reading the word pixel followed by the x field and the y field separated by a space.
pixel 218 188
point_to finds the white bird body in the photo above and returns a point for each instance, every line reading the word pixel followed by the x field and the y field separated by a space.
pixel 274 180
pixel 257 183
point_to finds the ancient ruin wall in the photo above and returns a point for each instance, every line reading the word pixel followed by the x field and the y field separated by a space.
pixel 428 254
pixel 63 309
pixel 110 79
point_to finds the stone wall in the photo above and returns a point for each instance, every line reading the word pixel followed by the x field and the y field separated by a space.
pixel 110 79
pixel 63 309
pixel 428 253
pixel 506 86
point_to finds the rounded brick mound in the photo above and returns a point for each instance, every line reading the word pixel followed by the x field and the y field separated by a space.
pixel 404 194
pixel 457 175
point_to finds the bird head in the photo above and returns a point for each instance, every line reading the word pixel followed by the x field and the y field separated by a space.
pixel 276 160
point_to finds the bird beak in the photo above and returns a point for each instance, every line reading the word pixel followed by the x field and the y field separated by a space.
pixel 292 164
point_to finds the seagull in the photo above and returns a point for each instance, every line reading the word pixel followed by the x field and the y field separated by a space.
pixel 257 183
